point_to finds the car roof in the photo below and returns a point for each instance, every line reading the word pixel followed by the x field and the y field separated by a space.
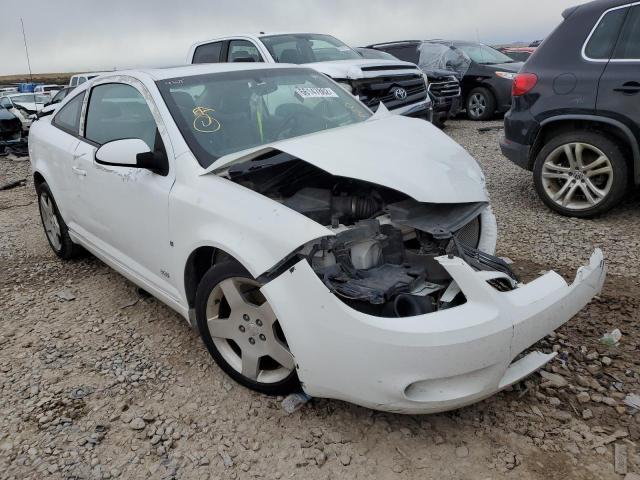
pixel 597 5
pixel 204 68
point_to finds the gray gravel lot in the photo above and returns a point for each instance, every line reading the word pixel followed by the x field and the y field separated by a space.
pixel 99 382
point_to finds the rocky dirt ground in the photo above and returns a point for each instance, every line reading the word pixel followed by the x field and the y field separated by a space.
pixel 97 381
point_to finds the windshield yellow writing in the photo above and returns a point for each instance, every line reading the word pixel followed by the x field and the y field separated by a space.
pixel 204 122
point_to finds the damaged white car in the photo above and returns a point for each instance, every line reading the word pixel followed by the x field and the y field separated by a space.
pixel 311 243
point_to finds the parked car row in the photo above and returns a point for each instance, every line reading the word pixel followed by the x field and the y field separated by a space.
pixel 308 233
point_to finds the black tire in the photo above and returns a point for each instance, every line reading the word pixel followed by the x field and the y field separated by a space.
pixel 489 101
pixel 601 142
pixel 440 120
pixel 66 249
pixel 215 275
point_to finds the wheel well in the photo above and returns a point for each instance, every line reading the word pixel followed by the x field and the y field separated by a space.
pixel 560 127
pixel 38 179
pixel 198 263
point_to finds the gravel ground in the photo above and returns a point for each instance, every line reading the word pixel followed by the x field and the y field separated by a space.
pixel 98 381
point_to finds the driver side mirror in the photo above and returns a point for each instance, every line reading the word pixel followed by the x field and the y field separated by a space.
pixel 133 153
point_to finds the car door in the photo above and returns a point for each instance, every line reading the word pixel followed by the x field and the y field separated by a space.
pixel 125 209
pixel 63 141
pixel 619 88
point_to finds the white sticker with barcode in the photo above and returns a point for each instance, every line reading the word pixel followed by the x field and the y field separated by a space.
pixel 314 92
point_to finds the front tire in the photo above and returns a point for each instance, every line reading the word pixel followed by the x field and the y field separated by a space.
pixel 481 104
pixel 55 229
pixel 241 331
pixel 581 174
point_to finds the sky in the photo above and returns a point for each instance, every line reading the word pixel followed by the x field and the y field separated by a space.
pixel 91 35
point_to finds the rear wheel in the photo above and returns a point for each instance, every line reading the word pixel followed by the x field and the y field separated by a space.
pixel 55 229
pixel 242 332
pixel 481 104
pixel 581 174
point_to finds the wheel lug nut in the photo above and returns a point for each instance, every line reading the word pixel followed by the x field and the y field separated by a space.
pixel 245 317
pixel 252 340
pixel 262 337
pixel 241 328
pixel 259 322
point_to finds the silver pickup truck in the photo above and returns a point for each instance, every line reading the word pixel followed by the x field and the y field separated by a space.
pixel 401 86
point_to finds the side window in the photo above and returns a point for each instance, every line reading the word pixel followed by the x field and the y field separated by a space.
pixel 408 53
pixel 243 51
pixel 68 118
pixel 74 81
pixel 117 111
pixel 81 80
pixel 628 47
pixel 5 102
pixel 603 38
pixel 209 53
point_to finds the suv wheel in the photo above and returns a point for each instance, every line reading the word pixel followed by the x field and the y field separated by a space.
pixel 481 104
pixel 580 174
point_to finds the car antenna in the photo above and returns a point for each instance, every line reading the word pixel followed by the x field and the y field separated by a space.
pixel 26 49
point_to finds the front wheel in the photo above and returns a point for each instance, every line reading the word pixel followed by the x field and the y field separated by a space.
pixel 481 104
pixel 241 331
pixel 581 174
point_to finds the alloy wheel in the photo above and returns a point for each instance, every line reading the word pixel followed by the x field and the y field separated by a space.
pixel 246 332
pixel 50 221
pixel 577 176
pixel 477 105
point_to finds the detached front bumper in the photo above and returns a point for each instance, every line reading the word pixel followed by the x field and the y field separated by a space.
pixel 429 363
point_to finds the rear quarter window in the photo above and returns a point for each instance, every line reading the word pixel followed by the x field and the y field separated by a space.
pixel 603 38
pixel 208 53
pixel 68 118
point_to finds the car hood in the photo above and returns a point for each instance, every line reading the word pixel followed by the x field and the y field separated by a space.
pixel 6 114
pixel 405 154
pixel 30 106
pixel 356 69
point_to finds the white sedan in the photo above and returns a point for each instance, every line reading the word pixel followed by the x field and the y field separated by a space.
pixel 311 243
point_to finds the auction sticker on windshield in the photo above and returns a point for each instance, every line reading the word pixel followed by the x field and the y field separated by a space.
pixel 315 92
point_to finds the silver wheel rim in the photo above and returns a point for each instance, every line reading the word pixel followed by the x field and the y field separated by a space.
pixel 50 221
pixel 246 332
pixel 477 105
pixel 577 176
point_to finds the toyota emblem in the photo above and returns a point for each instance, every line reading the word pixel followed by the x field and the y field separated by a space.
pixel 400 93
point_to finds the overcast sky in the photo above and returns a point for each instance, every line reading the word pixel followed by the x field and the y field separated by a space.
pixel 85 35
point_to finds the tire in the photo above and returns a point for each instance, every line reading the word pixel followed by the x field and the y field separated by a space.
pixel 55 228
pixel 594 174
pixel 439 121
pixel 480 104
pixel 241 328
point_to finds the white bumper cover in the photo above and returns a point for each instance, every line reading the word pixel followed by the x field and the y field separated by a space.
pixel 429 363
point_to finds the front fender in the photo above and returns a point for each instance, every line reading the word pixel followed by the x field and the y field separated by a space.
pixel 257 231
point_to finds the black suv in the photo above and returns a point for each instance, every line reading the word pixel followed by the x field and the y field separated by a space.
pixel 444 87
pixel 485 74
pixel 575 119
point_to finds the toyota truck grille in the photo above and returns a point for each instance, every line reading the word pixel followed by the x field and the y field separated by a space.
pixel 372 91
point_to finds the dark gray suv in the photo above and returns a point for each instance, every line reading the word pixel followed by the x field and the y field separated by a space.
pixel 575 117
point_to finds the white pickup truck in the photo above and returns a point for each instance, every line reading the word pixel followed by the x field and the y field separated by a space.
pixel 401 86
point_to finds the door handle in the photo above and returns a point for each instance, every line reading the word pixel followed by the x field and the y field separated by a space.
pixel 79 171
pixel 628 88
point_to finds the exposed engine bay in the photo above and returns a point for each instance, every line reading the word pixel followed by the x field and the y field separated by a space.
pixel 381 260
